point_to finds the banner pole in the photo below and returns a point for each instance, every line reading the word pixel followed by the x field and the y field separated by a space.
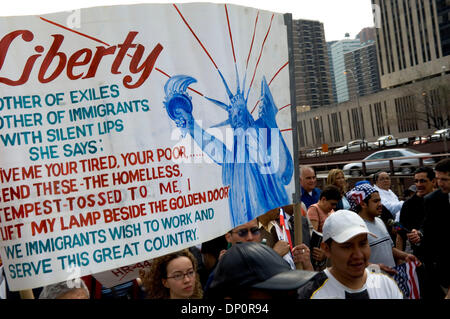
pixel 26 294
pixel 297 195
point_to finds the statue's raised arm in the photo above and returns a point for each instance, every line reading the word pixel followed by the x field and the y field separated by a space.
pixel 258 163
pixel 178 104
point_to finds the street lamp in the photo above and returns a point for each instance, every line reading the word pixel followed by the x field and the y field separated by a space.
pixel 346 71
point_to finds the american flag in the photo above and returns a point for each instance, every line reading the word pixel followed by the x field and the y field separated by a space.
pixel 285 227
pixel 407 280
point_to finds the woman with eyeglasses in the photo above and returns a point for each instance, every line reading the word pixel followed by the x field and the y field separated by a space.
pixel 173 276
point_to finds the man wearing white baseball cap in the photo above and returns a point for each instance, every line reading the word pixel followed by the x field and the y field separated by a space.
pixel 345 242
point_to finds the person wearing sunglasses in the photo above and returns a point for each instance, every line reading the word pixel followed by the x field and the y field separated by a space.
pixel 248 232
pixel 173 276
pixel 411 217
pixel 251 232
pixel 413 210
pixel 433 234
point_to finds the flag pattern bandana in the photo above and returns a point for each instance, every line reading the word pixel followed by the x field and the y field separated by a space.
pixel 357 194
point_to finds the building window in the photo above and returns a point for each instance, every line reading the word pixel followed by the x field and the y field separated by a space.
pixel 406 114
pixel 349 124
pixel 379 119
pixel 318 130
pixel 434 27
pixel 342 127
pixel 437 109
pixel 371 119
pixel 312 131
pixel 387 118
pixel 356 123
pixel 301 135
pixel 304 130
pixel 335 127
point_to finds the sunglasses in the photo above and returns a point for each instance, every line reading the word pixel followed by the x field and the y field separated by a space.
pixel 244 231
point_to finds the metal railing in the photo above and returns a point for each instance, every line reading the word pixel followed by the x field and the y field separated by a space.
pixel 390 169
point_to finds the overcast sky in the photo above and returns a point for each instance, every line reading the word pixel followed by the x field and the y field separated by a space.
pixel 338 16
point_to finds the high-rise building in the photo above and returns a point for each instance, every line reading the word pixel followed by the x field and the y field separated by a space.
pixel 330 60
pixel 338 50
pixel 312 74
pixel 443 14
pixel 413 40
pixel 366 35
pixel 362 70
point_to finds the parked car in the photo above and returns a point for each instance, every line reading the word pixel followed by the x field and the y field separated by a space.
pixel 314 152
pixel 441 134
pixel 352 146
pixel 420 140
pixel 389 140
pixel 380 161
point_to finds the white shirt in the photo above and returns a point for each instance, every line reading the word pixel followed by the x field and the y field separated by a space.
pixel 377 285
pixel 282 236
pixel 390 201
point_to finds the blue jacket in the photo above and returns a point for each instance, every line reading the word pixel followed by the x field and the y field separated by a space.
pixel 307 199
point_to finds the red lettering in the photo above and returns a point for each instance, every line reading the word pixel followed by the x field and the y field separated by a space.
pixel 147 66
pixel 82 57
pixel 123 49
pixel 73 62
pixel 4 47
pixel 51 54
pixel 99 54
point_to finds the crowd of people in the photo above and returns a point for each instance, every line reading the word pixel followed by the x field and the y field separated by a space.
pixel 366 233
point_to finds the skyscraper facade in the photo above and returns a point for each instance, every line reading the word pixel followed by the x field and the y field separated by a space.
pixel 338 50
pixel 443 14
pixel 413 41
pixel 366 35
pixel 330 60
pixel 362 70
pixel 312 71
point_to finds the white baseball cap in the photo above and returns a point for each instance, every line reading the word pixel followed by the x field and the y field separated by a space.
pixel 343 225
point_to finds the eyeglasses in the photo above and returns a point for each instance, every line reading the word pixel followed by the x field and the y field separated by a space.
pixel 244 231
pixel 421 181
pixel 180 276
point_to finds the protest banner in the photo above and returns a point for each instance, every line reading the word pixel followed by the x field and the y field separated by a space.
pixel 137 131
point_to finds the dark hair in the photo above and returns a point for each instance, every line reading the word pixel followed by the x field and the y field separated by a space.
pixel 443 166
pixel 426 169
pixel 376 176
pixel 331 192
pixel 152 278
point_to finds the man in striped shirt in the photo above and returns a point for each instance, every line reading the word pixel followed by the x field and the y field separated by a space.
pixel 365 200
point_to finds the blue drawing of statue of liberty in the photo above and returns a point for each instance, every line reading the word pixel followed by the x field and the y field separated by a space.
pixel 258 165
